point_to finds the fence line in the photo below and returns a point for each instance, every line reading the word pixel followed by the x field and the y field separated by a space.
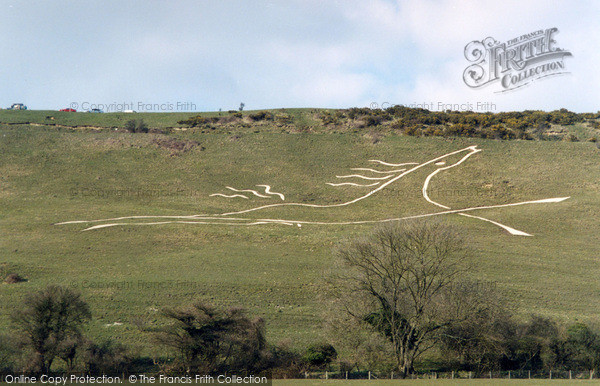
pixel 510 374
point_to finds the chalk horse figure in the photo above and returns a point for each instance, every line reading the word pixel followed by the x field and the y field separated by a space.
pixel 379 180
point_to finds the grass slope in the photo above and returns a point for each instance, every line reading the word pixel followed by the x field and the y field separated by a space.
pixel 118 119
pixel 49 175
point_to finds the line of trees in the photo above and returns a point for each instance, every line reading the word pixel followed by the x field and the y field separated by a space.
pixel 48 336
pixel 504 343
pixel 394 295
pixel 405 290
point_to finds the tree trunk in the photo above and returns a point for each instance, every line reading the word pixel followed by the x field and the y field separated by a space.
pixel 46 364
pixel 407 368
pixel 405 363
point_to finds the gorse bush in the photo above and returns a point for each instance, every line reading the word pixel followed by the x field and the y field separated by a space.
pixel 136 126
pixel 284 118
pixel 526 125
pixel 261 116
pixel 199 121
pixel 421 122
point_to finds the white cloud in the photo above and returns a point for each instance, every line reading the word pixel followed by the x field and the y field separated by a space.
pixel 458 22
pixel 278 54
pixel 326 87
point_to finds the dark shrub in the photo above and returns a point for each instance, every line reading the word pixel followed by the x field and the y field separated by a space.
pixel 584 345
pixel 105 358
pixel 200 121
pixel 14 278
pixel 209 340
pixel 320 355
pixel 281 362
pixel 284 118
pixel 136 126
pixel 373 120
pixel 261 115
pixel 8 351
pixel 47 321
pixel 130 126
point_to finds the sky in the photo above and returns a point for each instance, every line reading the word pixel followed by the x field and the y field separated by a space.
pixel 198 55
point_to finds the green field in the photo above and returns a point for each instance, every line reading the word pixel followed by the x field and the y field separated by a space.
pixel 127 273
pixel 118 119
pixel 88 119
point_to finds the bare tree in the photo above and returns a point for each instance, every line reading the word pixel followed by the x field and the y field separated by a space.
pixel 482 341
pixel 49 320
pixel 107 357
pixel 210 340
pixel 403 281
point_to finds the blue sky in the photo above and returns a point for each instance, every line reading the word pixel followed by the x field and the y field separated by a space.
pixel 272 54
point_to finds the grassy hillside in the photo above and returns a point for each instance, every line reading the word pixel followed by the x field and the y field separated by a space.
pixel 127 273
pixel 112 120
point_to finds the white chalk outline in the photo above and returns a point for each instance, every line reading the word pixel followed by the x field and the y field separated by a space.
pixel 301 222
pixel 367 195
pixel 254 192
pixel 389 164
pixel 215 219
pixel 352 184
pixel 268 191
pixel 247 190
pixel 510 230
pixel 231 196
pixel 365 177
pixel 379 171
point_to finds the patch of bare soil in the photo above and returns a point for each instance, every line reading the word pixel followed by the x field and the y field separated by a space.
pixel 177 147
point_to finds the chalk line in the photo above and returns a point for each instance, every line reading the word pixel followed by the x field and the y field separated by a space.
pixel 184 222
pixel 366 195
pixel 227 219
pixel 268 191
pixel 510 230
pixel 226 196
pixel 379 171
pixel 369 194
pixel 389 164
pixel 351 184
pixel 247 190
pixel 364 177
pixel 297 222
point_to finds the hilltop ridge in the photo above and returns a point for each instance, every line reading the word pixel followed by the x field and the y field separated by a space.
pixel 527 125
